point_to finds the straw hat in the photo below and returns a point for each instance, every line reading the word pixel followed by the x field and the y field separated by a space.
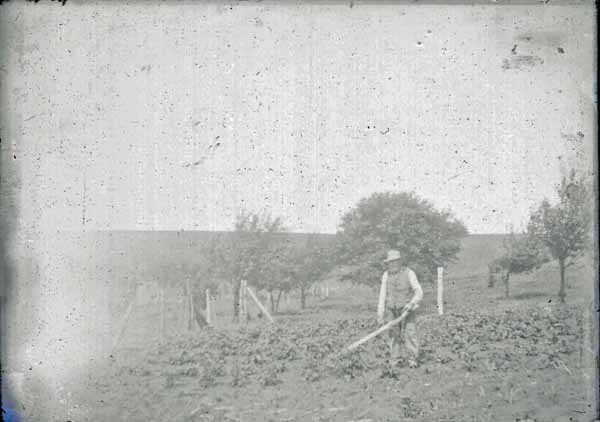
pixel 392 255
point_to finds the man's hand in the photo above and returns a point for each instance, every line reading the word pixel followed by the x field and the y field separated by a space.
pixel 388 315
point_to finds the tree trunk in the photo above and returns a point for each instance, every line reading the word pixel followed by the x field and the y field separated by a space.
pixel 199 304
pixel 272 299
pixel 562 293
pixel 190 305
pixel 236 299
pixel 491 279
pixel 302 297
pixel 277 301
pixel 506 280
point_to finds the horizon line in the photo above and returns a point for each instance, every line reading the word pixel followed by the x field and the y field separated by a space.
pixel 233 231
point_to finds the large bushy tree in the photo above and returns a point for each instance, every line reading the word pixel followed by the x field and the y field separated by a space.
pixel 426 237
pixel 565 228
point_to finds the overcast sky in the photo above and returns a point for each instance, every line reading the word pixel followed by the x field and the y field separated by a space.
pixel 176 117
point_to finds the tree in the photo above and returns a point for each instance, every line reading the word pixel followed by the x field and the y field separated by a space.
pixel 275 274
pixel 310 264
pixel 521 255
pixel 426 237
pixel 250 254
pixel 565 227
pixel 204 273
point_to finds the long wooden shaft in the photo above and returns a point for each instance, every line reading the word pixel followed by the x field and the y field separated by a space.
pixel 380 330
pixel 260 305
pixel 162 314
pixel 243 305
pixel 440 290
pixel 190 304
pixel 240 293
pixel 208 318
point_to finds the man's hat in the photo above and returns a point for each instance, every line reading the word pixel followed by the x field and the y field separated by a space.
pixel 392 255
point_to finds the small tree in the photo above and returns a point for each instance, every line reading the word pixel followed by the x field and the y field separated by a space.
pixel 247 255
pixel 521 255
pixel 275 275
pixel 426 237
pixel 310 264
pixel 565 227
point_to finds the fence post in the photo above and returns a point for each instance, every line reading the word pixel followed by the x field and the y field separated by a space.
pixel 240 293
pixel 162 314
pixel 260 305
pixel 242 306
pixel 190 304
pixel 208 318
pixel 440 290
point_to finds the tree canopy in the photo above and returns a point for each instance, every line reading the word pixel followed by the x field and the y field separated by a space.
pixel 309 263
pixel 426 237
pixel 565 228
pixel 522 254
pixel 254 254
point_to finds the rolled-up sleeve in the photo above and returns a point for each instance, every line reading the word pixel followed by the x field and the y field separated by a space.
pixel 416 289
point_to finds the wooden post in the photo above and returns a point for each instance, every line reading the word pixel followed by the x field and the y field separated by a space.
pixel 245 302
pixel 190 304
pixel 240 300
pixel 440 290
pixel 326 289
pixel 260 305
pixel 243 310
pixel 162 314
pixel 208 319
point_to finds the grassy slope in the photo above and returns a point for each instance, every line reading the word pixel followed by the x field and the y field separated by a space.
pixel 476 251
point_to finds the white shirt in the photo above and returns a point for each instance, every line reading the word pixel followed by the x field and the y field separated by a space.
pixel 397 289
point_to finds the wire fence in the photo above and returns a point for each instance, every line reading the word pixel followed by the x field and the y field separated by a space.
pixel 159 313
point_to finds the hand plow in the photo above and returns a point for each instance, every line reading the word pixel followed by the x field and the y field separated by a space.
pixel 377 332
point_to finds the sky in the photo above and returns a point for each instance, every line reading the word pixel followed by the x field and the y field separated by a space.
pixel 163 117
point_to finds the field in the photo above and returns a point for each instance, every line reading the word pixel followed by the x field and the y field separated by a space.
pixel 487 358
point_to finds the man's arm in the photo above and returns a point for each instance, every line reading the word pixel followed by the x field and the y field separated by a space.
pixel 417 290
pixel 382 297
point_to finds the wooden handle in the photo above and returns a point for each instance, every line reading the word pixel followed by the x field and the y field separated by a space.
pixel 260 305
pixel 380 330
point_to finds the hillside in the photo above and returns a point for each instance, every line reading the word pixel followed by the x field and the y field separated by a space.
pixel 477 251
pixel 175 246
pixel 125 259
pixel 130 256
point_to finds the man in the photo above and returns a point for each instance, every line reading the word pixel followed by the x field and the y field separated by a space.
pixel 400 290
